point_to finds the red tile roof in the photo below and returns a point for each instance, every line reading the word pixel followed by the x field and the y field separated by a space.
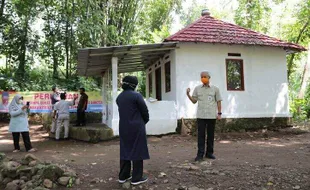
pixel 210 30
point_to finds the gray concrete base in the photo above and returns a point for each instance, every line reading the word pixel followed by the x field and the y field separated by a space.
pixel 93 133
pixel 237 124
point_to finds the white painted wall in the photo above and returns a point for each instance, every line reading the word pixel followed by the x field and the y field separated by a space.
pixel 161 122
pixel 265 79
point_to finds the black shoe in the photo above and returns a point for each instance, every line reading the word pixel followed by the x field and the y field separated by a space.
pixel 210 156
pixel 143 180
pixel 124 181
pixel 198 159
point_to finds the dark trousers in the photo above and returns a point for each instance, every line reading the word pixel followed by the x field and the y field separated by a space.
pixel 204 124
pixel 26 139
pixel 137 171
pixel 80 117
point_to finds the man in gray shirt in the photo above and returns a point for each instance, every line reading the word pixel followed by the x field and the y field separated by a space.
pixel 209 101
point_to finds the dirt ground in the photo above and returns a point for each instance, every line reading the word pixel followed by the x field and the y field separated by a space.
pixel 249 161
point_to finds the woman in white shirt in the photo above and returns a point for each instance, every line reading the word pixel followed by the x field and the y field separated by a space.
pixel 19 123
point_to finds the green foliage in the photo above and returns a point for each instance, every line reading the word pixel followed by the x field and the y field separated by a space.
pixel 299 109
pixel 194 12
pixel 253 14
pixel 40 38
pixel 142 86
pixel 298 32
pixel 41 79
pixel 71 182
pixel 155 19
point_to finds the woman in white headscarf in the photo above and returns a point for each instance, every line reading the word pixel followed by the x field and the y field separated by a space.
pixel 19 123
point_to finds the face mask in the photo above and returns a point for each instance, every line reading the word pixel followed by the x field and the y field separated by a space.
pixel 204 80
pixel 20 101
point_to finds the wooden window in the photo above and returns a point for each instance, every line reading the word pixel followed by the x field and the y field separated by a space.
pixel 234 74
pixel 150 84
pixel 168 76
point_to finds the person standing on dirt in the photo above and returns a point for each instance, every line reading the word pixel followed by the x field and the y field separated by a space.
pixel 19 123
pixel 54 99
pixel 209 100
pixel 62 109
pixel 133 115
pixel 81 108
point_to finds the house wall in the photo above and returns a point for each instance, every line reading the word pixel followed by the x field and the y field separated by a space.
pixel 160 122
pixel 265 79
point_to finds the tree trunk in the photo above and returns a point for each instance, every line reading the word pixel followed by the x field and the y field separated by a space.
pixel 71 38
pixel 55 60
pixel 67 40
pixel 23 49
pixel 305 77
pixel 2 8
pixel 7 61
pixel 291 60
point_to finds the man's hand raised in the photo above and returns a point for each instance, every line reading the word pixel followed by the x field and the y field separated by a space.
pixel 188 91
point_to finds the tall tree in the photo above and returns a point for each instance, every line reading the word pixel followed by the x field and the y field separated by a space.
pixel 18 41
pixel 298 32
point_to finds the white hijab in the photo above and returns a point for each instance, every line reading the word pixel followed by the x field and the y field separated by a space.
pixel 14 105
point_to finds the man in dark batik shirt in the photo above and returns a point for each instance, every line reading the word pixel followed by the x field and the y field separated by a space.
pixel 82 107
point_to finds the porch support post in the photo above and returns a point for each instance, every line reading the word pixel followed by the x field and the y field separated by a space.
pixel 115 116
pixel 104 98
pixel 147 83
pixel 114 81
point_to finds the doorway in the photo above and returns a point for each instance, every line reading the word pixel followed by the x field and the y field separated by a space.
pixel 158 83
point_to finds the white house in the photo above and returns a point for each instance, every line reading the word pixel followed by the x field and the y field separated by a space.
pixel 249 68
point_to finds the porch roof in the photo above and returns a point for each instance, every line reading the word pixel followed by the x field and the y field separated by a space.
pixel 131 58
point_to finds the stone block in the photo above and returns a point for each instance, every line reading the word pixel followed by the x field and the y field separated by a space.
pixel 51 172
pixel 93 133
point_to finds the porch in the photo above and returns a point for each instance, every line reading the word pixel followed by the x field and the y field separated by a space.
pixel 108 62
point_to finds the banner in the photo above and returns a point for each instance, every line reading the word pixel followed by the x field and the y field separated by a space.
pixel 40 102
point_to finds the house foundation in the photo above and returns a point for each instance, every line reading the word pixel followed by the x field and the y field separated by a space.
pixel 237 124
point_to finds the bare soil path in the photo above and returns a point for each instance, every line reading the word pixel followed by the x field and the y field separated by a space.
pixel 249 161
